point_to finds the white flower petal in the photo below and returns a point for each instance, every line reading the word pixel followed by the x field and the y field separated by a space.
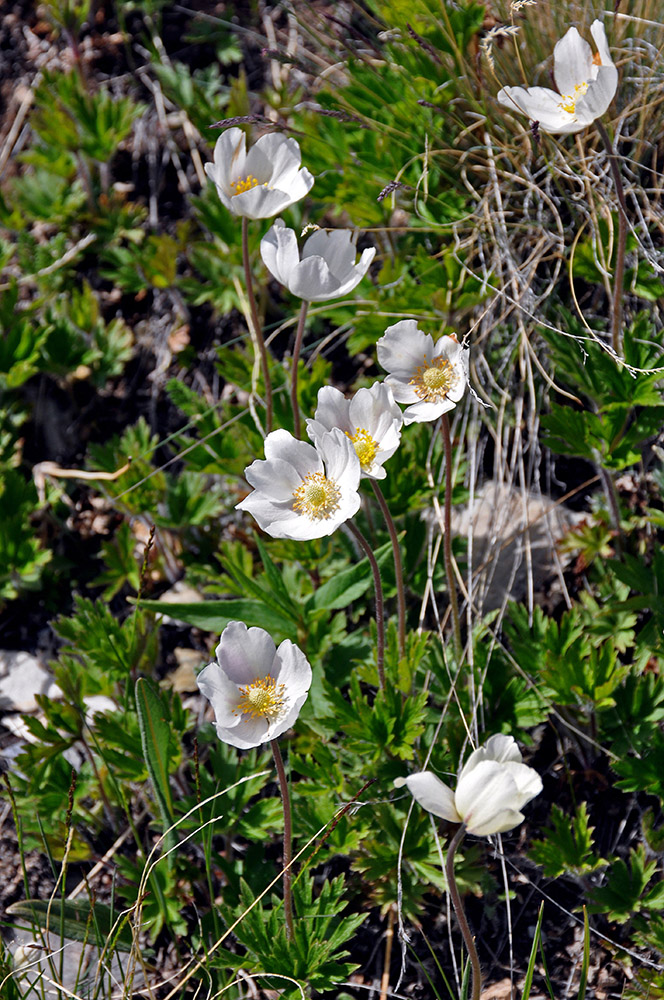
pixel 247 657
pixel 279 251
pixel 541 105
pixel 432 794
pixel 572 62
pixel 401 350
pixel 599 38
pixel 332 409
pixel 301 455
pixel 229 159
pixel 312 280
pixel 599 95
pixel 336 246
pixel 424 412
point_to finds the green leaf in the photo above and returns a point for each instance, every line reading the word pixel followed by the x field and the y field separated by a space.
pixel 155 738
pixel 568 847
pixel 347 586
pixel 78 920
pixel 214 616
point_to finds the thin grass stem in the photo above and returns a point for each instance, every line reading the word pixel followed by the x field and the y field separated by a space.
pixel 288 838
pixel 398 565
pixel 255 322
pixel 297 347
pixel 380 604
pixel 447 540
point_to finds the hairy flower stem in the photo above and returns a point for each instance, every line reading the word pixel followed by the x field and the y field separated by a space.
pixel 398 565
pixel 460 913
pixel 380 611
pixel 299 334
pixel 288 839
pixel 255 322
pixel 619 273
pixel 447 539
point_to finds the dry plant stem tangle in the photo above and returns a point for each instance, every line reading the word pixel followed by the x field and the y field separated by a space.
pixel 258 332
pixel 398 565
pixel 299 334
pixel 288 839
pixel 460 913
pixel 380 612
pixel 447 540
pixel 619 272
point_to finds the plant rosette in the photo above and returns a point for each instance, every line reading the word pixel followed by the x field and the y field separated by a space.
pixel 301 491
pixel 327 269
pixel 586 82
pixel 255 689
pixel 372 420
pixel 262 182
pixel 430 378
pixel 493 786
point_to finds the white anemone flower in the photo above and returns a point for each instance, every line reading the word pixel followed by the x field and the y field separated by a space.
pixel 491 790
pixel 262 182
pixel 302 491
pixel 328 267
pixel 431 377
pixel 371 419
pixel 255 689
pixel 587 83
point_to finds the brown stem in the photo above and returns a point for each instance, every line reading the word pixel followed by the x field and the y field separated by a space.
pixel 299 334
pixel 255 322
pixel 447 539
pixel 460 913
pixel 389 941
pixel 380 612
pixel 398 565
pixel 619 272
pixel 288 839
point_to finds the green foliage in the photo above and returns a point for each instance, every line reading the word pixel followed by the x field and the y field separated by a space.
pixel 68 116
pixel 568 848
pixel 316 957
pixel 22 557
pixel 623 409
pixel 626 890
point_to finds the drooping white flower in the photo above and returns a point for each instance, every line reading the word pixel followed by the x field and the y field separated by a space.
pixel 262 182
pixel 431 377
pixel 255 689
pixel 371 419
pixel 302 491
pixel 491 790
pixel 587 83
pixel 327 269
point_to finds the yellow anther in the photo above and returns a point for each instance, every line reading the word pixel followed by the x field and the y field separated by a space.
pixel 364 445
pixel 317 496
pixel 433 380
pixel 261 699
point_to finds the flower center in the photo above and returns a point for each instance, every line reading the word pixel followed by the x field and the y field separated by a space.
pixel 434 379
pixel 262 698
pixel 364 445
pixel 568 102
pixel 243 184
pixel 317 496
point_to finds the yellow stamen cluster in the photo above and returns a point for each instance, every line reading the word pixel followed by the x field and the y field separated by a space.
pixel 433 380
pixel 243 184
pixel 261 699
pixel 364 445
pixel 317 497
pixel 568 102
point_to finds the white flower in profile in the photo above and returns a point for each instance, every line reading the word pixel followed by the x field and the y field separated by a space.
pixel 255 689
pixel 587 83
pixel 371 419
pixel 328 267
pixel 431 377
pixel 302 491
pixel 262 182
pixel 492 788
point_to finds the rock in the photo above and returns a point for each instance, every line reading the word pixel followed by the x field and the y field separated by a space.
pixel 22 677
